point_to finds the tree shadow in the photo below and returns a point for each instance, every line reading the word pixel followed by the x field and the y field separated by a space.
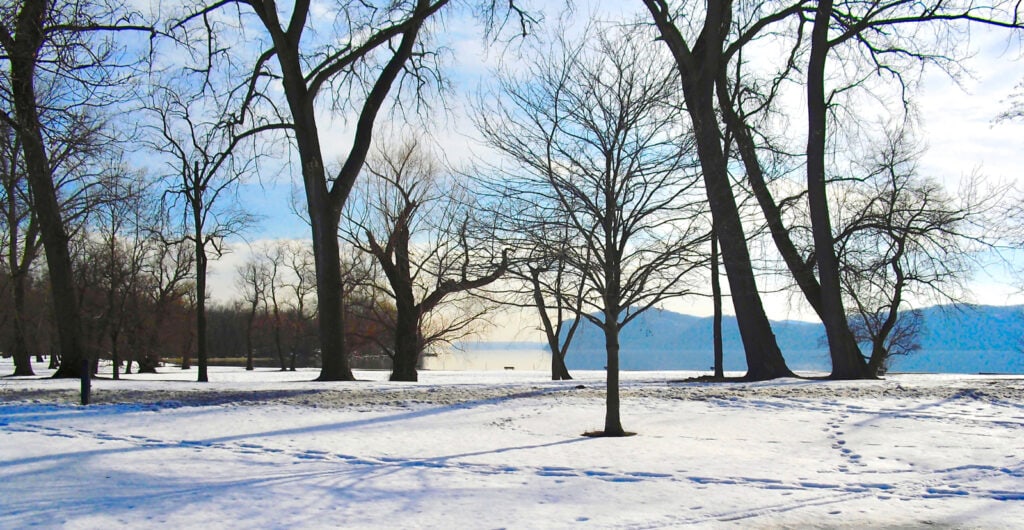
pixel 155 494
pixel 40 415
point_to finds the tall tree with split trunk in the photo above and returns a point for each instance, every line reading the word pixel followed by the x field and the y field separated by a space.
pixel 371 48
pixel 847 362
pixel 699 61
pixel 73 45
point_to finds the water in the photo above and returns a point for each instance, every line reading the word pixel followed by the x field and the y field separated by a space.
pixel 527 359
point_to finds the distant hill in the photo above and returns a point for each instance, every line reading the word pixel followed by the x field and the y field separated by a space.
pixel 955 339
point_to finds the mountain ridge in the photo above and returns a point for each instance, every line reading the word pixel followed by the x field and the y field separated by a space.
pixel 954 339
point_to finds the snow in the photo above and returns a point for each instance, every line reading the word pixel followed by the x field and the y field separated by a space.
pixel 503 449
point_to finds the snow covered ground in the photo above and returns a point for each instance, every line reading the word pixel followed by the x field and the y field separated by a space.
pixel 270 449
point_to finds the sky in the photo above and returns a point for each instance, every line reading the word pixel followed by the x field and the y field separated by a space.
pixel 957 125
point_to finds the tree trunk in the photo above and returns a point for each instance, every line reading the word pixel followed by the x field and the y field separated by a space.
pixel 277 339
pixel 23 54
pixel 716 300
pixel 407 341
pixel 612 419
pixel 19 343
pixel 559 372
pixel 802 271
pixel 248 343
pixel 879 353
pixel 324 206
pixel 847 362
pixel 324 212
pixel 114 358
pixel 876 365
pixel 201 354
pixel 186 359
pixel 334 358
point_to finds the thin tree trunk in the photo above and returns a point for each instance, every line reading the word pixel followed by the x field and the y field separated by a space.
pixel 277 334
pixel 19 345
pixel 879 354
pixel 559 372
pixel 201 353
pixel 18 265
pixel 716 300
pixel 186 356
pixel 114 358
pixel 249 366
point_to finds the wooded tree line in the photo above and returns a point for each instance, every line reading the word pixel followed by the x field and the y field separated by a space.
pixel 624 161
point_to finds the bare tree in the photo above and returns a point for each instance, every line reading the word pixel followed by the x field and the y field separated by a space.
pixel 556 290
pixel 21 246
pixel 539 278
pixel 302 264
pixel 902 237
pixel 84 160
pixel 887 35
pixel 253 277
pixel 122 247
pixel 852 42
pixel 70 45
pixel 368 33
pixel 168 282
pixel 204 168
pixel 595 138
pixel 275 257
pixel 415 223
